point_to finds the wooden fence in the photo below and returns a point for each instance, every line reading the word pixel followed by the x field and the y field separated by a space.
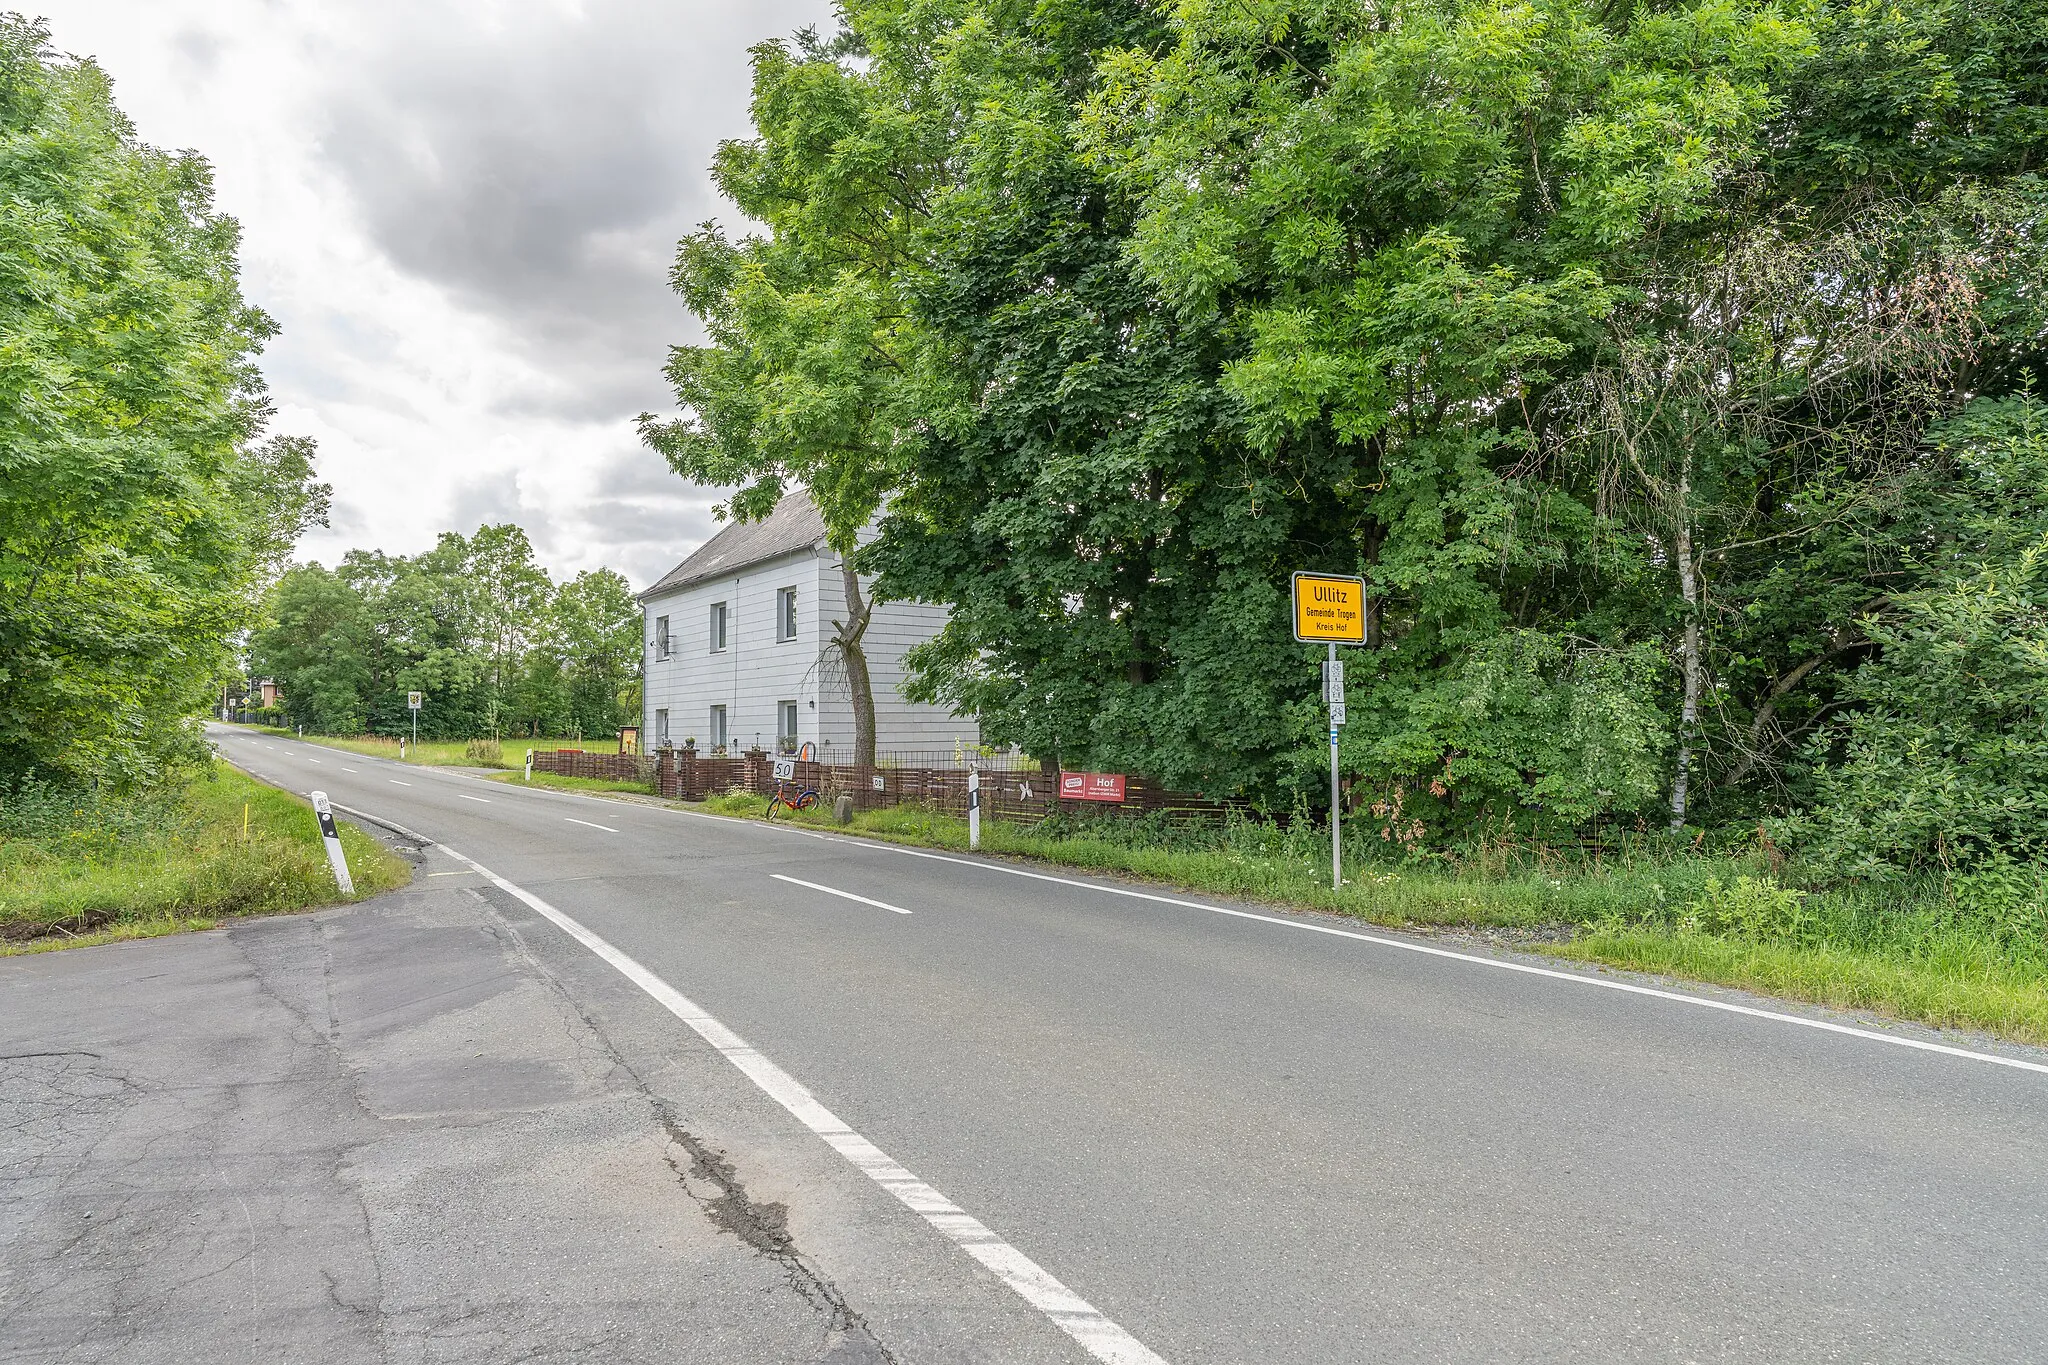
pixel 1009 789
pixel 601 767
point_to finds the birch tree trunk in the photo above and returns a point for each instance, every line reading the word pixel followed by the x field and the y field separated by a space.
pixel 847 636
pixel 1689 649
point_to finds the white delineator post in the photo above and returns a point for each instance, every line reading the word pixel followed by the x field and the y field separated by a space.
pixel 974 808
pixel 335 857
pixel 529 765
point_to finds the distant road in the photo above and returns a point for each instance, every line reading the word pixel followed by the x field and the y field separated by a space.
pixel 1226 1139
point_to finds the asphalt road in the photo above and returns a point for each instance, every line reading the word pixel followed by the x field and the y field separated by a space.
pixel 1235 1139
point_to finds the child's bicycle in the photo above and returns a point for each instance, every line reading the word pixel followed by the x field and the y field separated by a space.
pixel 789 792
pixel 793 795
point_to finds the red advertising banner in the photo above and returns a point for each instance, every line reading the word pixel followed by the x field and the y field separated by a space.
pixel 1091 786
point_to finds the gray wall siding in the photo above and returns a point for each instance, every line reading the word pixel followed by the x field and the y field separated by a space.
pixel 905 724
pixel 756 671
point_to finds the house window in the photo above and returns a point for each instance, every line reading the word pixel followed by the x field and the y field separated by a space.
pixel 661 727
pixel 785 613
pixel 717 627
pixel 717 728
pixel 661 637
pixel 786 737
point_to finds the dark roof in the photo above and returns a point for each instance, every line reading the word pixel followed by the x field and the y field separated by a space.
pixel 793 525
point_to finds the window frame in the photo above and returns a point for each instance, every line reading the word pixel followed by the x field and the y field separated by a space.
pixel 661 727
pixel 785 614
pixel 787 741
pixel 718 627
pixel 716 724
pixel 664 643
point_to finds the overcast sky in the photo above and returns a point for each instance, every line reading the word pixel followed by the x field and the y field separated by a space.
pixel 462 215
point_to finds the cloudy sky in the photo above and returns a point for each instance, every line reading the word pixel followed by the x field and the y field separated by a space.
pixel 462 216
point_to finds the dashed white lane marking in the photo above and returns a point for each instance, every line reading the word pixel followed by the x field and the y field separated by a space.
pixel 835 891
pixel 345 768
pixel 311 759
pixel 467 797
pixel 574 821
pixel 396 783
pixel 1073 1314
pixel 1600 983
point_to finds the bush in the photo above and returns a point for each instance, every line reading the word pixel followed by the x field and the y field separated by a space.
pixel 1754 907
pixel 1945 763
pixel 488 753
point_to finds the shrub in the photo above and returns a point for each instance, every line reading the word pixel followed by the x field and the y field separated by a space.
pixel 1754 907
pixel 1943 765
pixel 484 752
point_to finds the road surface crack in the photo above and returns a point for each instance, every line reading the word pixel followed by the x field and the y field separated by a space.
pixel 764 1227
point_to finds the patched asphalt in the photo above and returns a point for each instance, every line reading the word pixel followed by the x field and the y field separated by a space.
pixel 435 1127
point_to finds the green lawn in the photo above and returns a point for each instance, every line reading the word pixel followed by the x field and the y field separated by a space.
pixel 1901 954
pixel 573 784
pixel 450 753
pixel 78 870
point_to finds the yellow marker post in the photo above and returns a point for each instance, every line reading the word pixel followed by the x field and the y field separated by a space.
pixel 1330 609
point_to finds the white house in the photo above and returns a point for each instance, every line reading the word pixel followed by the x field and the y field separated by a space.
pixel 739 647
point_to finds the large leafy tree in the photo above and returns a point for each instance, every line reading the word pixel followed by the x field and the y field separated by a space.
pixel 593 634
pixel 316 640
pixel 473 623
pixel 138 512
pixel 1603 340
pixel 814 374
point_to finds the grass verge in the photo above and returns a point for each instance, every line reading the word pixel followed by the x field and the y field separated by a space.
pixel 574 784
pixel 76 870
pixel 445 753
pixel 1900 954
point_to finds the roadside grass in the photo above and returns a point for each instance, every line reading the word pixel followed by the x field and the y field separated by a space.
pixel 574 784
pixel 1904 953
pixel 445 753
pixel 75 869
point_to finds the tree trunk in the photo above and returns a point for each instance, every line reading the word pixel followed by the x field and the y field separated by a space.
pixel 848 638
pixel 1689 650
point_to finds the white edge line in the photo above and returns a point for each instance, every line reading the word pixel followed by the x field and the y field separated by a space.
pixel 835 891
pixel 574 821
pixel 1381 940
pixel 1575 978
pixel 1073 1314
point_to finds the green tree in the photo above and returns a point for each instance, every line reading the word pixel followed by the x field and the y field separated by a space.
pixel 593 630
pixel 1602 341
pixel 813 371
pixel 1943 761
pixel 138 513
pixel 315 639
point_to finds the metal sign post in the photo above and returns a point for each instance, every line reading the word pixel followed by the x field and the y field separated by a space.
pixel 974 808
pixel 412 701
pixel 1330 608
pixel 335 857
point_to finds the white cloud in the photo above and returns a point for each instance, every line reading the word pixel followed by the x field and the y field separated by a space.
pixel 462 215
